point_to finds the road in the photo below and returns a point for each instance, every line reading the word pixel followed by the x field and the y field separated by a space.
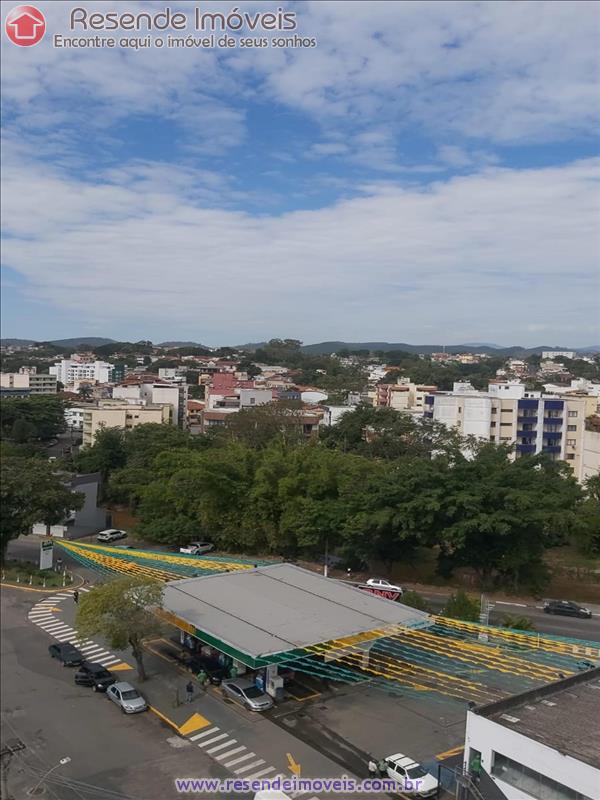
pixel 114 755
pixel 543 623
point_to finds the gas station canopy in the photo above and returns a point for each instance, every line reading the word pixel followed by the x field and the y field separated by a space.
pixel 258 614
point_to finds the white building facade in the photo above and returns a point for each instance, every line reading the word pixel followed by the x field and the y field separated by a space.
pixel 68 371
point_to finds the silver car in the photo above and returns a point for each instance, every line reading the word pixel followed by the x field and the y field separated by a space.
pixel 127 697
pixel 246 693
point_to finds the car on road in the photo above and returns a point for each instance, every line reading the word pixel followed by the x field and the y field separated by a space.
pixel 413 779
pixel 567 608
pixel 197 548
pixel 66 653
pixel 94 675
pixel 127 697
pixel 246 693
pixel 111 535
pixel 381 583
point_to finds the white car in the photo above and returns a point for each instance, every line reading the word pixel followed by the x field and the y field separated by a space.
pixel 197 548
pixel 110 535
pixel 412 778
pixel 381 583
pixel 127 697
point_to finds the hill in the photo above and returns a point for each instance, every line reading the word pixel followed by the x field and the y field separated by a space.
pixel 326 348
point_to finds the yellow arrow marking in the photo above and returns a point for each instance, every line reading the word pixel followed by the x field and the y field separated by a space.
pixel 120 666
pixel 294 767
pixel 194 723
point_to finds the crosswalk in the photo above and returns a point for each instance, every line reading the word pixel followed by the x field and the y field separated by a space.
pixel 236 757
pixel 43 614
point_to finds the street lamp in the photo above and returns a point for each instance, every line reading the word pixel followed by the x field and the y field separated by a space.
pixel 61 763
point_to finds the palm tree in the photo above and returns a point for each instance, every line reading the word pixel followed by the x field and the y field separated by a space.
pixel 85 391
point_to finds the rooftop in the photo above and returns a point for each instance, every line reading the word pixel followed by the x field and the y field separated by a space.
pixel 564 715
pixel 280 607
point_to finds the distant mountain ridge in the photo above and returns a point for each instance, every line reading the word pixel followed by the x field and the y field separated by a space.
pixel 92 341
pixel 326 348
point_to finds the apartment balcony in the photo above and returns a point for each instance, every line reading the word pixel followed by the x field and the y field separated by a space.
pixel 526 434
pixel 428 414
pixel 525 449
pixel 527 420
pixel 553 420
pixel 551 448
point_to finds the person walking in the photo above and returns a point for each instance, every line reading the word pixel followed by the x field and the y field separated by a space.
pixel 202 678
pixel 382 768
pixel 189 692
pixel 372 767
pixel 76 596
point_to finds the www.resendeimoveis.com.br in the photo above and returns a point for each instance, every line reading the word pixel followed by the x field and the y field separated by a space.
pixel 343 785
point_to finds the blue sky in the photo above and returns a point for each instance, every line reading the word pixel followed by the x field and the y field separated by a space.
pixel 427 173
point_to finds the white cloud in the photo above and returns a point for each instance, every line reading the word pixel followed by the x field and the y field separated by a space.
pixel 509 246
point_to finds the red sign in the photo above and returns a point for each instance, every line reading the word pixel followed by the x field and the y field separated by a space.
pixel 25 25
pixel 388 594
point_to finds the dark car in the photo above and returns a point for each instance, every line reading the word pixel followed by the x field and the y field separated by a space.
pixel 567 608
pixel 66 653
pixel 94 675
pixel 216 672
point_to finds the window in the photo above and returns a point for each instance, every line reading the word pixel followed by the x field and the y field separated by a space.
pixel 505 424
pixel 494 410
pixel 573 413
pixel 530 781
pixel 571 442
pixel 509 411
pixel 570 456
pixel 492 424
pixel 571 428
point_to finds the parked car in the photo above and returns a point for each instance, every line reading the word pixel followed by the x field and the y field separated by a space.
pixel 111 535
pixel 94 675
pixel 246 693
pixel 406 771
pixel 567 608
pixel 381 583
pixel 197 548
pixel 127 697
pixel 66 653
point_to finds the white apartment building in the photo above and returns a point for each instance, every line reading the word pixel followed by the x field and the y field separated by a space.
pixel 550 354
pixel 541 744
pixel 237 398
pixel 68 371
pixel 172 373
pixel 74 418
pixel 509 414
pixel 109 414
pixel 37 383
pixel 174 395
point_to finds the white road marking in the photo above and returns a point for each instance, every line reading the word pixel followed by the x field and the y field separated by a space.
pixel 41 617
pixel 504 603
pixel 249 766
pixel 230 753
pixel 90 648
pixel 239 760
pixel 214 739
pixel 51 627
pixel 110 662
pixel 259 774
pixel 221 746
pixel 203 734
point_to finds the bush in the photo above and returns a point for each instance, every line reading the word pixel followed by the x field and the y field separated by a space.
pixel 415 600
pixel 460 605
pixel 517 622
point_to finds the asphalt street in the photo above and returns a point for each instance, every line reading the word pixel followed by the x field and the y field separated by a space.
pixel 114 755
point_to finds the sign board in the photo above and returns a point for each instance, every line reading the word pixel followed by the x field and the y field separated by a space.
pixel 388 594
pixel 46 553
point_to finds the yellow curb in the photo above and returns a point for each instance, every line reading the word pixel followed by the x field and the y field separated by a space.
pixel 195 723
pixel 122 665
pixel 453 752
pixel 53 590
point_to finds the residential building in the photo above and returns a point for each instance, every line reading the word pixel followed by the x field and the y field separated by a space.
pixel 510 414
pixel 402 396
pixel 74 417
pixel 145 389
pixel 70 370
pixel 111 414
pixel 550 354
pixel 84 521
pixel 541 744
pixel 172 373
pixel 590 457
pixel 35 382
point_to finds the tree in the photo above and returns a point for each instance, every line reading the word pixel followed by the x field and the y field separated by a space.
pixel 122 611
pixel 44 412
pixel 22 430
pixel 106 454
pixel 587 525
pixel 460 605
pixel 85 391
pixel 31 492
pixel 517 622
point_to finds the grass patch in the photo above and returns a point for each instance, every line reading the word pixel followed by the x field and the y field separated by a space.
pixel 26 573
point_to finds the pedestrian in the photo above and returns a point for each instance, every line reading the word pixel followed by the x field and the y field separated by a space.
pixel 59 564
pixel 372 768
pixel 189 692
pixel 76 596
pixel 382 767
pixel 202 678
pixel 233 672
